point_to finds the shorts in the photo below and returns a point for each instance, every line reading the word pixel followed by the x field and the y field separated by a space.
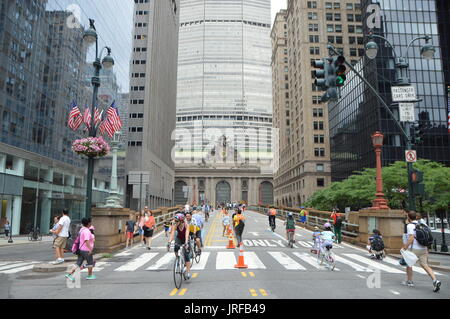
pixel 166 229
pixel 302 219
pixel 84 255
pixel 140 231
pixel 60 242
pixel 422 254
pixel 326 243
pixel 198 234
pixel 178 244
pixel 130 235
pixel 148 233
pixel 290 230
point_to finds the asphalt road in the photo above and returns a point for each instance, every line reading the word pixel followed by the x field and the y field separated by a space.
pixel 275 271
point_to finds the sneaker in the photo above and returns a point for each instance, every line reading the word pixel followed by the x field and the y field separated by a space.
pixel 58 261
pixel 148 248
pixel 93 277
pixel 408 283
pixel 188 276
pixel 436 285
pixel 69 276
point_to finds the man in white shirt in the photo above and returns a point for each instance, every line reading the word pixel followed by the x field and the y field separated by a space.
pixel 187 208
pixel 420 251
pixel 63 234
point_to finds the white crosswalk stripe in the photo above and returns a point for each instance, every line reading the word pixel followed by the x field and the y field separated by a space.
pixel 415 268
pixel 203 260
pixel 225 260
pixel 355 266
pixel 14 264
pixel 252 261
pixel 373 264
pixel 312 260
pixel 286 261
pixel 98 266
pixel 164 263
pixel 13 267
pixel 138 262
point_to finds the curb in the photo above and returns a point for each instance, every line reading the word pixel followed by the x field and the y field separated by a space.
pixel 46 267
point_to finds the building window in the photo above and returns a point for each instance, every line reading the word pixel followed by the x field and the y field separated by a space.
pixel 312 4
pixel 329 17
pixel 349 6
pixel 337 5
pixel 351 29
pixel 320 167
pixel 351 40
pixel 338 27
pixel 339 40
pixel 353 52
pixel 320 182
pixel 350 17
pixel 330 28
pixel 328 5
pixel 337 17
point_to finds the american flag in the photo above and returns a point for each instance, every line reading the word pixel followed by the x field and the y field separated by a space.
pixel 106 126
pixel 75 118
pixel 114 118
pixel 87 117
pixel 97 117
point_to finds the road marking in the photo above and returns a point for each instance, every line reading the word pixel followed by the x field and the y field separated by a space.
pixel 253 292
pixel 263 292
pixel 354 247
pixel 173 292
pixel 304 244
pixel 195 275
pixel 203 260
pixel 252 260
pixel 98 266
pixel 374 265
pixel 20 264
pixel 225 260
pixel 16 270
pixel 361 276
pixel 286 261
pixel 138 262
pixel 394 292
pixel 415 268
pixel 163 262
pixel 182 292
pixel 312 261
pixel 284 239
pixel 251 274
pixel 352 264
pixel 243 274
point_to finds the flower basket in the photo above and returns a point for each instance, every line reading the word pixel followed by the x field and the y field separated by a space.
pixel 91 147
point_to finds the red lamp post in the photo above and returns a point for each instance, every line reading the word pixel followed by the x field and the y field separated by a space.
pixel 379 202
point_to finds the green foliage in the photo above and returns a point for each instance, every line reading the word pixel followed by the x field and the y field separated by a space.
pixel 358 190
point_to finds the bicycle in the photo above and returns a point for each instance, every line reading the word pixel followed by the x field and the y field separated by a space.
pixel 179 268
pixel 326 256
pixel 272 224
pixel 194 248
pixel 35 235
pixel 206 216
pixel 291 240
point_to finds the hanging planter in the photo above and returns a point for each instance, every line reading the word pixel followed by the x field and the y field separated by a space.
pixel 91 147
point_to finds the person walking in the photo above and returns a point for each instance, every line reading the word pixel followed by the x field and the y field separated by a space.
pixel 131 228
pixel 85 244
pixel 420 251
pixel 225 222
pixel 141 220
pixel 7 227
pixel 239 225
pixel 149 226
pixel 54 228
pixel 62 233
pixel 337 224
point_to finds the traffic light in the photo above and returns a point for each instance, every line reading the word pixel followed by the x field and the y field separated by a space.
pixel 334 76
pixel 417 179
pixel 418 133
pixel 339 70
pixel 319 75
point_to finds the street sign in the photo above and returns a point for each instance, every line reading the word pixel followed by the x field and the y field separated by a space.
pixel 403 93
pixel 134 178
pixel 407 112
pixel 411 156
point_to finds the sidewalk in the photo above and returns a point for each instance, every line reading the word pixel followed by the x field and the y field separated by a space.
pixel 20 240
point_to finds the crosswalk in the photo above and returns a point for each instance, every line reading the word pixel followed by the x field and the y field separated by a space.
pixel 226 260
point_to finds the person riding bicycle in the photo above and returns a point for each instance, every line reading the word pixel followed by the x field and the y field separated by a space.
pixel 328 237
pixel 182 238
pixel 290 226
pixel 206 210
pixel 316 240
pixel 194 230
pixel 272 216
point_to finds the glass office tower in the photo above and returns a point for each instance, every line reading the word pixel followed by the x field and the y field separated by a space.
pixel 358 114
pixel 224 79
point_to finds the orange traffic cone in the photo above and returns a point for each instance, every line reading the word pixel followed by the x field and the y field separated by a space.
pixel 230 241
pixel 240 263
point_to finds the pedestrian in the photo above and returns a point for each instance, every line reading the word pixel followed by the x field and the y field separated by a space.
pixel 167 225
pixel 239 225
pixel 7 227
pixel 303 214
pixel 225 222
pixel 375 245
pixel 337 224
pixel 84 246
pixel 419 250
pixel 232 219
pixel 141 226
pixel 149 226
pixel 62 233
pixel 131 228
pixel 54 228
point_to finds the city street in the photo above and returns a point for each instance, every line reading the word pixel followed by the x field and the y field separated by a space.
pixel 274 271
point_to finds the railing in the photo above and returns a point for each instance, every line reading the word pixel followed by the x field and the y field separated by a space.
pixel 313 219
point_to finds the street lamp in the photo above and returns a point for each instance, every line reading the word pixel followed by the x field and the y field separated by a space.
pixel 379 202
pixel 90 37
pixel 401 67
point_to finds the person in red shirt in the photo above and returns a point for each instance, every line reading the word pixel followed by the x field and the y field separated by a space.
pixel 149 226
pixel 337 224
pixel 272 216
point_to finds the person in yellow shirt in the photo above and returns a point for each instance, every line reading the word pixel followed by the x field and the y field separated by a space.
pixel 239 225
pixel 194 230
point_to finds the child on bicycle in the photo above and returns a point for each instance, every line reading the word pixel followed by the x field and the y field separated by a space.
pixel 316 240
pixel 327 237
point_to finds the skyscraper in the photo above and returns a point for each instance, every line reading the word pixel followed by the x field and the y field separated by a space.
pixel 224 104
pixel 152 108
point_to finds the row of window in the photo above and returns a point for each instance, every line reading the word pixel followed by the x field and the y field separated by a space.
pixel 139 61
pixel 220 117
pixel 141 1
pixel 140 37
pixel 142 13
pixel 223 21
pixel 138 88
pixel 133 143
pixel 140 49
pixel 136 115
pixel 138 75
pixel 137 102
pixel 135 129
pixel 141 25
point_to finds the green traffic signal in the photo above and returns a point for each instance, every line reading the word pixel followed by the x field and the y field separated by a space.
pixel 339 70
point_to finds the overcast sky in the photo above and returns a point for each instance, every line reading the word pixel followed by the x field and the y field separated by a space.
pixel 276 6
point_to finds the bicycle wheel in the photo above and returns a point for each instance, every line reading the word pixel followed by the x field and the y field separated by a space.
pixel 331 261
pixel 30 236
pixel 39 236
pixel 197 254
pixel 178 272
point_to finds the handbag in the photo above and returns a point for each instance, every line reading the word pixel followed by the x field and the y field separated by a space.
pixel 409 257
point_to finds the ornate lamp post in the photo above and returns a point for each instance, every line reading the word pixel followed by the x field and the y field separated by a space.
pixel 114 200
pixel 90 37
pixel 379 202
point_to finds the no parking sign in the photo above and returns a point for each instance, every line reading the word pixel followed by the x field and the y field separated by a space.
pixel 411 156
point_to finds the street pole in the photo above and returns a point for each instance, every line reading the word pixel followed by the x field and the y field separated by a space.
pixel 444 247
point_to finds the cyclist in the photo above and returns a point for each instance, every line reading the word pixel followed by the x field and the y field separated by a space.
pixel 327 236
pixel 290 226
pixel 206 211
pixel 194 230
pixel 316 240
pixel 200 223
pixel 182 238
pixel 272 215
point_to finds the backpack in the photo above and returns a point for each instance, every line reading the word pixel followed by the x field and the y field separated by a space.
pixel 76 245
pixel 377 243
pixel 290 224
pixel 339 221
pixel 423 235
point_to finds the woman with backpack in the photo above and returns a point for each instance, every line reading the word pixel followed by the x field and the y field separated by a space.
pixel 290 226
pixel 239 225
pixel 337 224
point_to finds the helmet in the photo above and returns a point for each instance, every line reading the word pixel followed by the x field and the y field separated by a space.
pixel 316 228
pixel 290 214
pixel 327 225
pixel 179 217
